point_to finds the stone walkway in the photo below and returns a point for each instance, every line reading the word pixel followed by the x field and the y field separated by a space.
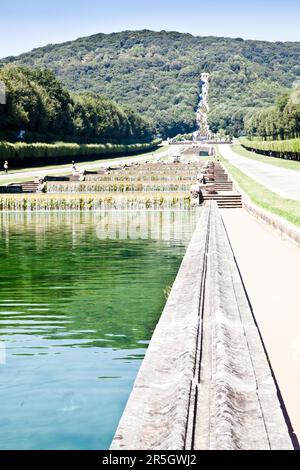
pixel 284 182
pixel 205 382
pixel 269 266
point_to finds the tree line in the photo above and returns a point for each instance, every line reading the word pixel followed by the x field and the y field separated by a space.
pixel 287 149
pixel 281 121
pixel 19 153
pixel 38 103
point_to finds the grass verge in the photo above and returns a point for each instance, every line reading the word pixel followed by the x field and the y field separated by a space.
pixel 288 209
pixel 66 169
pixel 280 162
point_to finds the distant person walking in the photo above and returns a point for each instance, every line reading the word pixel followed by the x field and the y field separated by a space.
pixel 5 166
pixel 74 169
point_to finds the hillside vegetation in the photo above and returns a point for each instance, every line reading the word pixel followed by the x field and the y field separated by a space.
pixel 158 74
pixel 281 121
pixel 39 104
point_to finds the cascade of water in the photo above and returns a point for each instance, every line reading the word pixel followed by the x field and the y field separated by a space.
pixel 203 131
pixel 157 199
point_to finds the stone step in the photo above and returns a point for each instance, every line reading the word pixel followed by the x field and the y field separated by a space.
pixel 230 206
pixel 215 197
pixel 29 187
pixel 223 188
pixel 225 201
pixel 220 186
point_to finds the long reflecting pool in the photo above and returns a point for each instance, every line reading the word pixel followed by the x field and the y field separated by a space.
pixel 80 295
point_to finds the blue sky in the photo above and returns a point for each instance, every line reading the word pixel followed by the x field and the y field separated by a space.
pixel 32 23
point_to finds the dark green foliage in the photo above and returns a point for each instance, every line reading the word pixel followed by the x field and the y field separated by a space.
pixel 38 103
pixel 281 121
pixel 182 137
pixel 277 148
pixel 158 74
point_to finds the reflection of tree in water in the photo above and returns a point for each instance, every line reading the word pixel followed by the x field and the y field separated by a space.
pixel 103 292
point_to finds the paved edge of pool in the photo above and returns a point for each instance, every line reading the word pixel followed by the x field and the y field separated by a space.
pixel 206 381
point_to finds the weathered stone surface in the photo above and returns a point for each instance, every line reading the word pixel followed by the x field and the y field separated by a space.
pixel 205 382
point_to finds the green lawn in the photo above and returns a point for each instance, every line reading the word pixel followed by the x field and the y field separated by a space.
pixel 16 180
pixel 66 169
pixel 288 209
pixel 280 162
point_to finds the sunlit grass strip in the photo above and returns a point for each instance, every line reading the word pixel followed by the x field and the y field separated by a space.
pixel 48 202
pixel 279 162
pixel 288 209
pixel 22 151
pixel 283 147
pixel 65 169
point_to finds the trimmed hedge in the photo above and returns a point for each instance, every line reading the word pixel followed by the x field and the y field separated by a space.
pixel 20 152
pixel 277 148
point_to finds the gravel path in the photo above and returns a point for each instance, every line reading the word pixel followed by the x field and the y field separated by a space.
pixel 284 182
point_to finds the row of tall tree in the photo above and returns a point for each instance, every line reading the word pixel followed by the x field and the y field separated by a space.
pixel 281 121
pixel 38 103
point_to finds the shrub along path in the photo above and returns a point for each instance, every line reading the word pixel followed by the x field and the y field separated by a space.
pixel 279 162
pixel 282 181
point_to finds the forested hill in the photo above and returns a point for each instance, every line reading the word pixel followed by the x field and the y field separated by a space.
pixel 158 73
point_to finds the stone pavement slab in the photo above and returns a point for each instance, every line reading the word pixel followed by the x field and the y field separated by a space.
pixel 270 268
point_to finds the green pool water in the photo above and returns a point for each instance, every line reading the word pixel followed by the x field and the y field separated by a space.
pixel 80 295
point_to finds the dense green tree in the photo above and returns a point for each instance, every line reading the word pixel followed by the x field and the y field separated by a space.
pixel 37 102
pixel 278 122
